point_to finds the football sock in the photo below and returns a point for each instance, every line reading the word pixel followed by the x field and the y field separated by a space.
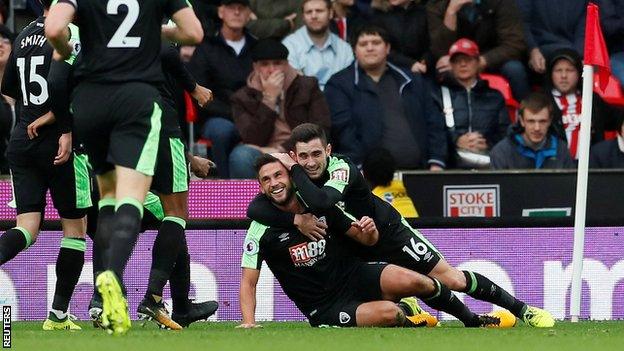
pixel 481 288
pixel 126 225
pixel 164 254
pixel 180 280
pixel 101 238
pixel 444 300
pixel 12 242
pixel 68 268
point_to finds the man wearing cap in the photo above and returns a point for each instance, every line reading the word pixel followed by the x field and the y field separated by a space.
pixel 223 62
pixel 275 100
pixel 475 114
pixel 375 103
pixel 313 49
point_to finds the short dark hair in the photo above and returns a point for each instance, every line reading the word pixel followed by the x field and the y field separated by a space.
pixel 304 133
pixel 46 3
pixel 536 102
pixel 263 160
pixel 378 167
pixel 370 29
pixel 328 3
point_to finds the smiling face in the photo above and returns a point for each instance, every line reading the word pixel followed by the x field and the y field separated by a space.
pixel 275 183
pixel 312 156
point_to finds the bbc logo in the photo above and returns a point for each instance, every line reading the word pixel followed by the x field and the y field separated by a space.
pixel 6 327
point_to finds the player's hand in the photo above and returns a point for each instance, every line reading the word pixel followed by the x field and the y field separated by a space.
pixel 202 95
pixel 366 225
pixel 248 326
pixel 64 150
pixel 310 226
pixel 285 159
pixel 201 166
pixel 33 128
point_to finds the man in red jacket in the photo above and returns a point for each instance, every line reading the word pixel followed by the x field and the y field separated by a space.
pixel 275 100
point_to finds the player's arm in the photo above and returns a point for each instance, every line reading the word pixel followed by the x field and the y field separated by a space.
pixel 58 85
pixel 188 29
pixel 317 199
pixel 247 295
pixel 172 63
pixel 56 26
pixel 363 231
pixel 261 210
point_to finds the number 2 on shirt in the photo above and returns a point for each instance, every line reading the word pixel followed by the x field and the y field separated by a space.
pixel 121 39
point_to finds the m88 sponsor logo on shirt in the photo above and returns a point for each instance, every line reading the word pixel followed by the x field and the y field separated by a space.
pixel 307 254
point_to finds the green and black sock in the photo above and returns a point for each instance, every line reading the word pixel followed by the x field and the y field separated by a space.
pixel 481 288
pixel 164 254
pixel 126 225
pixel 444 300
pixel 12 242
pixel 68 268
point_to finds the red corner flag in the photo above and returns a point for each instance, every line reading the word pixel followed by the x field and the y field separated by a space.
pixel 191 112
pixel 596 53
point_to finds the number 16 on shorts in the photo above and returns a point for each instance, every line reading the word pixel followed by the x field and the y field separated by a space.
pixel 6 327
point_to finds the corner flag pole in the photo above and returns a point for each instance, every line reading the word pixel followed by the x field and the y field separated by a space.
pixel 581 193
pixel 595 55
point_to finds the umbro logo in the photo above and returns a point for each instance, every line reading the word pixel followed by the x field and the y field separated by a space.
pixel 344 317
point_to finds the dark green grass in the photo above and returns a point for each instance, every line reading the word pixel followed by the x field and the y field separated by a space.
pixel 299 337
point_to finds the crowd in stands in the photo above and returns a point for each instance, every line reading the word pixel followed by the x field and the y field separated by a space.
pixel 399 75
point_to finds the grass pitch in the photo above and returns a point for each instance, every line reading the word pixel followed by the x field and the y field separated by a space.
pixel 300 337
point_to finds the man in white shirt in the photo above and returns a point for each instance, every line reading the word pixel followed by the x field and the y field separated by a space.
pixel 313 49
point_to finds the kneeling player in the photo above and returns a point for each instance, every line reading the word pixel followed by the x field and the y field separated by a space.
pixel 328 285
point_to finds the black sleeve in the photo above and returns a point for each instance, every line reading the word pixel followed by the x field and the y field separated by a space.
pixel 172 64
pixel 317 199
pixel 60 91
pixel 338 221
pixel 174 6
pixel 10 82
pixel 261 210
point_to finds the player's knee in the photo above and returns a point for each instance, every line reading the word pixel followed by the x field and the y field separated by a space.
pixel 454 280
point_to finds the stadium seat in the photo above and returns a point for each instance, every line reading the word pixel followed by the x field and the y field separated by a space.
pixel 610 134
pixel 612 94
pixel 501 84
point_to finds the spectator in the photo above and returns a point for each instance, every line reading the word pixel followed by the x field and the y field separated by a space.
pixel 612 20
pixel 7 105
pixel 552 25
pixel 222 62
pixel 274 18
pixel 564 71
pixel 375 104
pixel 313 49
pixel 347 19
pixel 476 116
pixel 609 153
pixel 378 168
pixel 275 100
pixel 495 25
pixel 406 24
pixel 531 143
